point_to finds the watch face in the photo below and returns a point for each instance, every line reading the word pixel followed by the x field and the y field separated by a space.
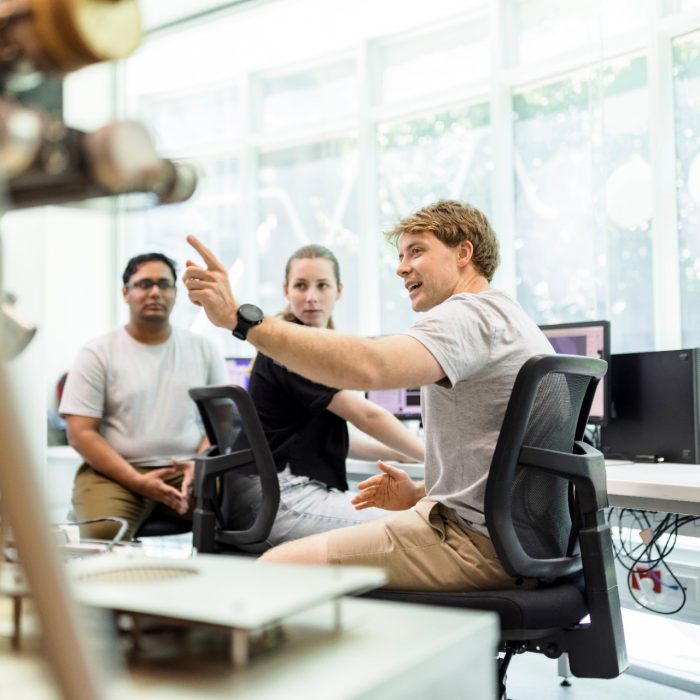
pixel 250 313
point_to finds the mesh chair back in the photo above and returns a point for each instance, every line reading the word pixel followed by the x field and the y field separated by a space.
pixel 540 502
pixel 528 510
pixel 224 423
pixel 238 446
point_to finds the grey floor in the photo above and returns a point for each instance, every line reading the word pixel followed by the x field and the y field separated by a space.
pixel 534 677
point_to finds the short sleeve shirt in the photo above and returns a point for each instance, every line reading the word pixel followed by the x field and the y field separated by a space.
pixel 301 432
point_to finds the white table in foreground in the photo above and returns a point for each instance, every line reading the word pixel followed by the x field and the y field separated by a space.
pixel 385 651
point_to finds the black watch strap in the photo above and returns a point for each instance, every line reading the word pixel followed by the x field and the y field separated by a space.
pixel 248 316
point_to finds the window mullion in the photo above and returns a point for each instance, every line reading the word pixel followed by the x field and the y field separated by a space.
pixel 665 268
pixel 502 179
pixel 369 321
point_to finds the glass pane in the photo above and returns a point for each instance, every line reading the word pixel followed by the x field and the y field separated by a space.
pixel 310 97
pixel 544 29
pixel 686 60
pixel 583 201
pixel 190 120
pixel 308 194
pixel 155 13
pixel 213 214
pixel 435 62
pixel 441 155
pixel 673 6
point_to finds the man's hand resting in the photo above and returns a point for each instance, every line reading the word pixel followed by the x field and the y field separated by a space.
pixel 151 485
pixel 187 477
pixel 391 490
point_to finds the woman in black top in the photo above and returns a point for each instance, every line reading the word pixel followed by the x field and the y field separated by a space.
pixel 306 423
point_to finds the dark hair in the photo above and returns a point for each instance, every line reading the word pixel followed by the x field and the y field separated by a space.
pixel 313 250
pixel 135 263
pixel 453 222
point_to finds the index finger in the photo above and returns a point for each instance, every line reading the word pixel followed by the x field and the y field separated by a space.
pixel 209 258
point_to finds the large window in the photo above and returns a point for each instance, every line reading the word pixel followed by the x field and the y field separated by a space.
pixel 440 155
pixel 546 30
pixel 307 98
pixel 583 200
pixel 308 194
pixel 539 112
pixel 686 59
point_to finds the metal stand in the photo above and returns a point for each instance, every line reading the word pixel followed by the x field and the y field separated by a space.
pixel 564 670
pixel 22 507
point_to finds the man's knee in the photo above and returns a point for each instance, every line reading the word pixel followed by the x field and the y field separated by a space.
pixel 307 550
pixel 107 530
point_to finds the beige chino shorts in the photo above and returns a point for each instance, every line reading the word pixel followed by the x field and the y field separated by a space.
pixel 423 549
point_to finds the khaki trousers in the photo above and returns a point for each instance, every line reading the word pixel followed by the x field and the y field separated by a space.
pixel 424 549
pixel 97 496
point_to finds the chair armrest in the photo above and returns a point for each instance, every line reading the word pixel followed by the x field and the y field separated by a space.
pixel 207 527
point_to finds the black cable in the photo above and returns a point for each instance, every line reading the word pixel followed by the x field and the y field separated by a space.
pixel 648 556
pixel 642 553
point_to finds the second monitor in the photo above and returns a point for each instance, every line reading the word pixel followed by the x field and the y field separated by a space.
pixel 590 339
pixel 403 403
pixel 239 370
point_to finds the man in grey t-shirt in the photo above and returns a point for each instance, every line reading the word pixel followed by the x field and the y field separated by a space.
pixel 127 409
pixel 465 353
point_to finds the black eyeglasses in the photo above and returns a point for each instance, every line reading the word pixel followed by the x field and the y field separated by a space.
pixel 146 285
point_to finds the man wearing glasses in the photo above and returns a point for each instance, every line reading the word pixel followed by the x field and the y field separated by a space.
pixel 127 409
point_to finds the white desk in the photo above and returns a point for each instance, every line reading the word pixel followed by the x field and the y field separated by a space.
pixel 666 487
pixel 385 651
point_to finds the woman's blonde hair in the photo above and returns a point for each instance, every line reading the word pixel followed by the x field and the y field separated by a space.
pixel 309 252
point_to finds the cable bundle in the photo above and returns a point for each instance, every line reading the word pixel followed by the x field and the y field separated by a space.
pixel 647 558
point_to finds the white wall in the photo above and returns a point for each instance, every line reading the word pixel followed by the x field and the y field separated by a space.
pixel 59 263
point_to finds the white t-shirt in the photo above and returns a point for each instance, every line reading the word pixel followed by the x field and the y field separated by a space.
pixel 481 341
pixel 140 392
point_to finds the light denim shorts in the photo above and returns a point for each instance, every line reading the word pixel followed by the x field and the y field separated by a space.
pixel 306 506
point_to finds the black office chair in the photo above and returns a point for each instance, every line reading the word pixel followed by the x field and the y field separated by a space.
pixel 544 508
pixel 238 444
pixel 163 522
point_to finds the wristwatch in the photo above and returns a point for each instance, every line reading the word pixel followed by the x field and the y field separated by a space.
pixel 249 315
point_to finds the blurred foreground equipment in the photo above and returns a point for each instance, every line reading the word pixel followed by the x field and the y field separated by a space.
pixel 42 160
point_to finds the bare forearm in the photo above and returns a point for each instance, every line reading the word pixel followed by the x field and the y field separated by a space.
pixel 326 357
pixel 387 430
pixel 330 358
pixel 365 448
pixel 102 457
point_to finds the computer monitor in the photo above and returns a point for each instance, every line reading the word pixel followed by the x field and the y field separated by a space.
pixel 591 339
pixel 239 370
pixel 403 403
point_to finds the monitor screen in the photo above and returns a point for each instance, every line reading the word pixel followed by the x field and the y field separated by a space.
pixel 403 403
pixel 239 370
pixel 592 339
